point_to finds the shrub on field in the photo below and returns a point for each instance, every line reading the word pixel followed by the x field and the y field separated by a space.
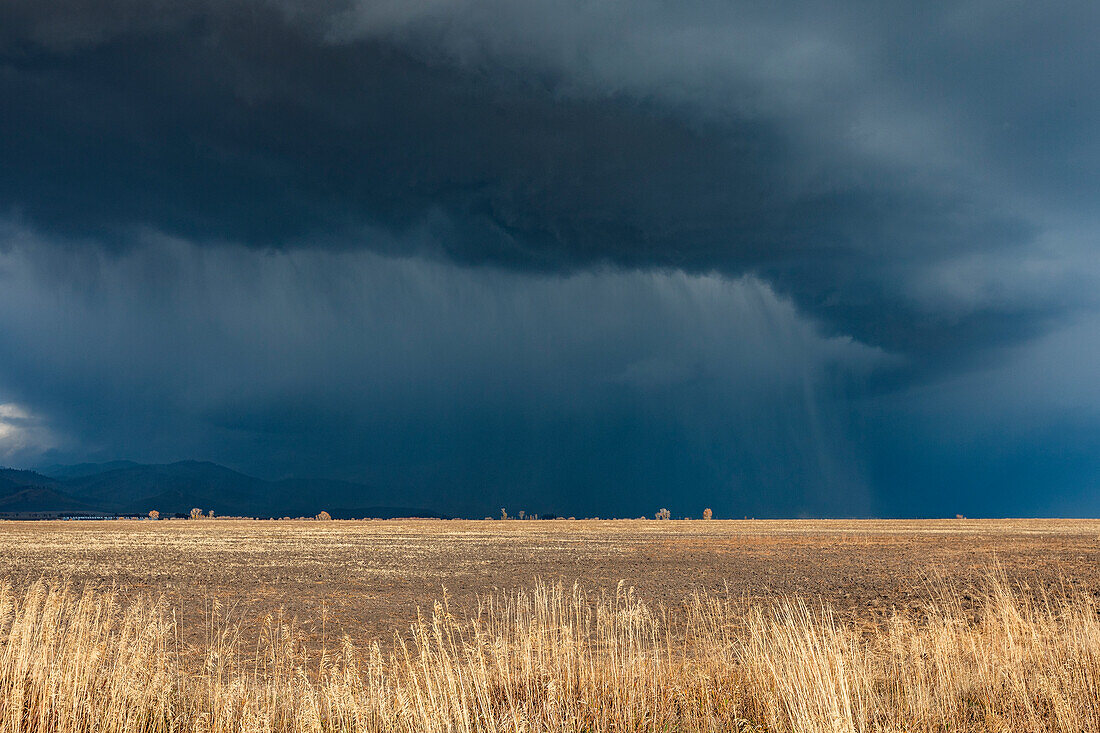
pixel 324 516
pixel 154 514
pixel 707 513
pixel 663 514
pixel 196 513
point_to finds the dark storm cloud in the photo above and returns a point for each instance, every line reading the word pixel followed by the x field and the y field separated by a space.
pixel 459 388
pixel 817 148
pixel 787 256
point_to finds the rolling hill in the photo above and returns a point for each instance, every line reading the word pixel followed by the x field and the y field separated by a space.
pixel 123 487
pixel 23 498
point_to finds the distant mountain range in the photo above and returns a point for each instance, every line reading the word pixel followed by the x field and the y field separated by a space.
pixel 124 487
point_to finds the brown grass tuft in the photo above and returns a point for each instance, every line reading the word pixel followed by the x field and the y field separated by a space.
pixel 557 659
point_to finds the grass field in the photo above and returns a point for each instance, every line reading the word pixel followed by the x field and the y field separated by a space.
pixel 550 626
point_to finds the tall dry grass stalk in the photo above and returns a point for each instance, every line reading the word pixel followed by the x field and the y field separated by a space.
pixel 556 659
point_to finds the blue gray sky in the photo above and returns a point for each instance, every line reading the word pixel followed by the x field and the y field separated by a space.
pixel 585 257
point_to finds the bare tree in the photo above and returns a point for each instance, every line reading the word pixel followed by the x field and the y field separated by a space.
pixel 324 516
pixel 707 513
pixel 503 513
pixel 663 514
pixel 196 513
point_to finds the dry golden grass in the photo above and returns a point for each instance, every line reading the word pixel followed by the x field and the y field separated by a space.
pixel 554 658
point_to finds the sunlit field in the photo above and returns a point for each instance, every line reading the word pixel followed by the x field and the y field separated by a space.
pixel 993 628
pixel 558 659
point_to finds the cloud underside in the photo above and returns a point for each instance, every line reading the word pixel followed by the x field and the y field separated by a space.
pixel 542 243
pixel 813 151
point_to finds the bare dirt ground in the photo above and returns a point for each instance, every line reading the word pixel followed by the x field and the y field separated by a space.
pixel 371 576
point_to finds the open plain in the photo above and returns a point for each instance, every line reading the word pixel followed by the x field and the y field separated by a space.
pixel 368 578
pixel 237 626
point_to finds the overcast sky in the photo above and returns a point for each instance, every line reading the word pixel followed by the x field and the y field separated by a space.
pixel 577 256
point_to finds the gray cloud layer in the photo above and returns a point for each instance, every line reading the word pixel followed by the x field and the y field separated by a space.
pixel 825 150
pixel 917 181
pixel 543 389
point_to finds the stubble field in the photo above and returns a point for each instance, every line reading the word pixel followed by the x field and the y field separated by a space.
pixel 369 577
pixel 550 626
